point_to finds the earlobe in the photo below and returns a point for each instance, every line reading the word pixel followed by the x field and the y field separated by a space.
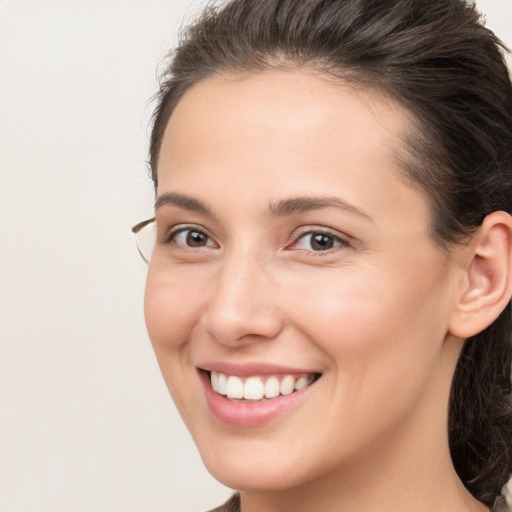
pixel 488 280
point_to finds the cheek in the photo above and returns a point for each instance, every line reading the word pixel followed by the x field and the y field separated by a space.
pixel 170 309
pixel 383 335
pixel 376 323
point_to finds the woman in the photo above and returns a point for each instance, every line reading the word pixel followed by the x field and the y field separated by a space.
pixel 329 294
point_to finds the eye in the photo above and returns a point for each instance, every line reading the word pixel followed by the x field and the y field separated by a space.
pixel 319 241
pixel 190 237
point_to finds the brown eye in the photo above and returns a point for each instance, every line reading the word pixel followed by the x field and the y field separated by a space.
pixel 196 239
pixel 321 242
pixel 318 241
pixel 192 238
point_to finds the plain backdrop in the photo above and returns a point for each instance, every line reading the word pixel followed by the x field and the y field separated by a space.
pixel 86 423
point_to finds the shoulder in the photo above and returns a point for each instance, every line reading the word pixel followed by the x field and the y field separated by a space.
pixel 232 505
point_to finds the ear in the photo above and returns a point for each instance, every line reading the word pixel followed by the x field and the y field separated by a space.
pixel 487 283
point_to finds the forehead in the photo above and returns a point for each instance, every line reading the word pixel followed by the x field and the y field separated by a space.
pixel 235 106
pixel 291 132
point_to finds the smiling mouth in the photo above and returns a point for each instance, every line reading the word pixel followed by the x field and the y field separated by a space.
pixel 258 388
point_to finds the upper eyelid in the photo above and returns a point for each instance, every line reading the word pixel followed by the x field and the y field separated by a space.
pixel 323 231
pixel 343 240
pixel 172 231
pixel 320 230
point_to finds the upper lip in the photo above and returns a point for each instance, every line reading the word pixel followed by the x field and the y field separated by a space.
pixel 254 368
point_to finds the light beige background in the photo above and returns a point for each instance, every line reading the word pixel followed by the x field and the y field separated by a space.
pixel 86 424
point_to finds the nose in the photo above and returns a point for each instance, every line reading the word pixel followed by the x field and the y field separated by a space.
pixel 241 306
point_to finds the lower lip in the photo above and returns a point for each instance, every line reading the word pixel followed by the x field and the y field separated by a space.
pixel 250 414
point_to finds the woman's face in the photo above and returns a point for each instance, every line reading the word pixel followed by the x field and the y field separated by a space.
pixel 292 251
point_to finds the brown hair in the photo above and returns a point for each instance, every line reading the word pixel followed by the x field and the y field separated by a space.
pixel 448 70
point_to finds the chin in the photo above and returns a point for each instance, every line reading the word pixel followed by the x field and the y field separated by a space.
pixel 257 464
pixel 244 476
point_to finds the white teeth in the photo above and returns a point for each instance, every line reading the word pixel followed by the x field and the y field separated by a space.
pixel 254 388
pixel 287 385
pixel 272 387
pixel 222 384
pixel 302 383
pixel 214 378
pixel 235 387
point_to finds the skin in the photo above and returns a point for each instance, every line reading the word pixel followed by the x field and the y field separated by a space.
pixel 372 314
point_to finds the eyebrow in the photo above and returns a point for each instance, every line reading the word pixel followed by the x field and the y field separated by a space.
pixel 306 204
pixel 281 208
pixel 183 201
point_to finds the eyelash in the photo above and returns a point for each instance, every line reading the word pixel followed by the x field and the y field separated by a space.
pixel 171 236
pixel 337 241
